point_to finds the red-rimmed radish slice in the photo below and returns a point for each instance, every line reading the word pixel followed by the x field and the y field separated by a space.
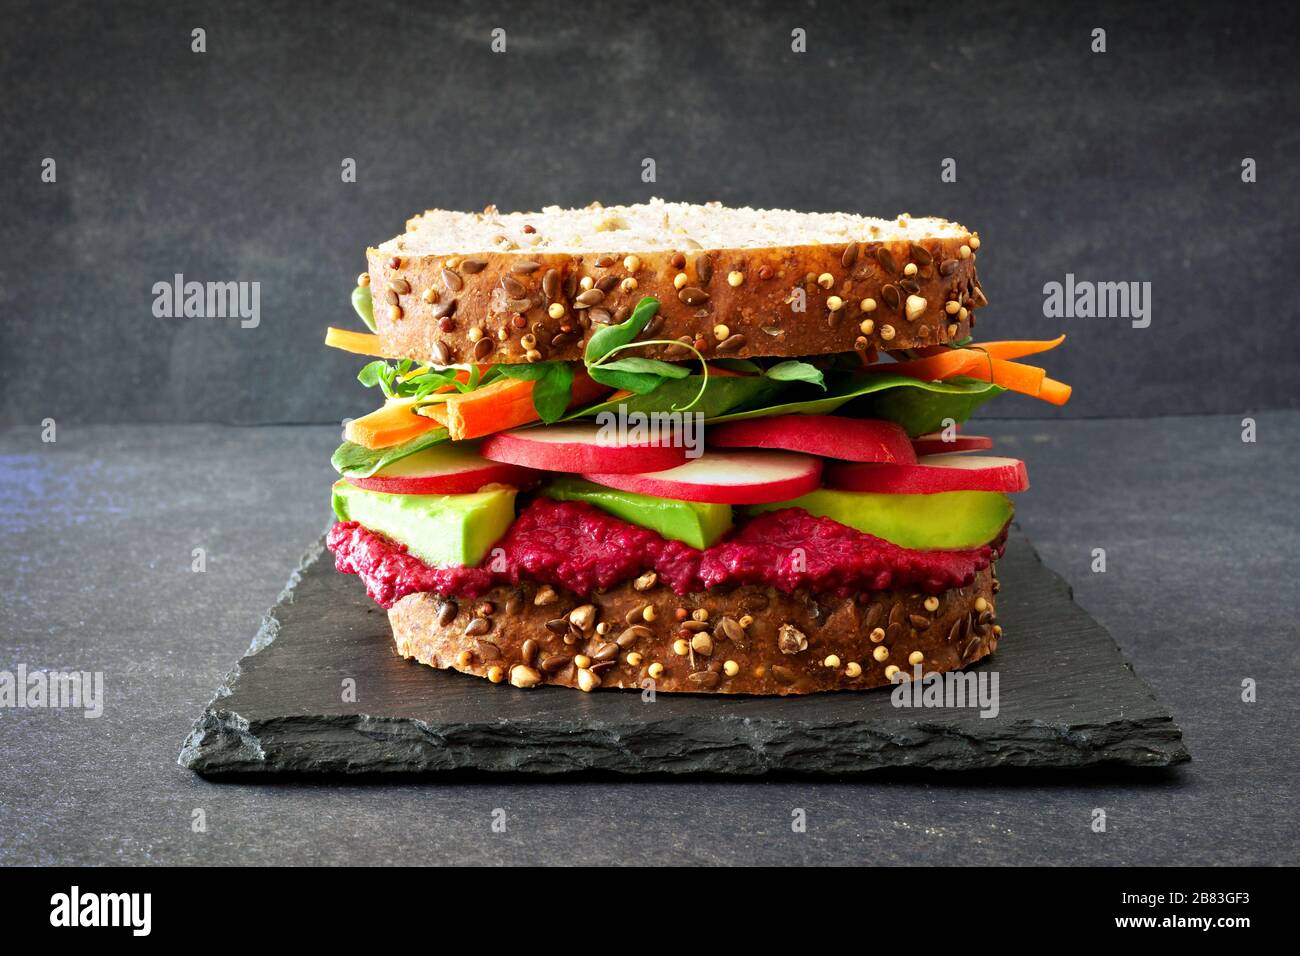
pixel 726 478
pixel 582 447
pixel 831 436
pixel 447 469
pixel 934 444
pixel 932 474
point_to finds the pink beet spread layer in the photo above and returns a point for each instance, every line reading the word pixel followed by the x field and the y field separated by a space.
pixel 574 545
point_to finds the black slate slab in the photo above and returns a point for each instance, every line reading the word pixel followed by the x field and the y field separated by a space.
pixel 1066 699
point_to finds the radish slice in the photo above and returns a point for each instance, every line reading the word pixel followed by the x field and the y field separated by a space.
pixel 934 444
pixel 449 469
pixel 726 478
pixel 831 436
pixel 932 474
pixel 582 447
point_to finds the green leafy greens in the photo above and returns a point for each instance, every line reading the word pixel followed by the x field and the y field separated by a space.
pixel 365 308
pixel 430 380
pixel 355 461
pixel 552 388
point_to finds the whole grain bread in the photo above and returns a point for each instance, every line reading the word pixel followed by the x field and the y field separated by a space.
pixel 525 287
pixel 750 640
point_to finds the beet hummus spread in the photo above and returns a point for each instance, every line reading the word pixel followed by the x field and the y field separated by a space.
pixel 574 545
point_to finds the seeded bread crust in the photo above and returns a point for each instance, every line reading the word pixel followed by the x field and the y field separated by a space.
pixel 752 640
pixel 529 305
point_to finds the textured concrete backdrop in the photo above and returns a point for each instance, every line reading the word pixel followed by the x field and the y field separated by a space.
pixel 225 166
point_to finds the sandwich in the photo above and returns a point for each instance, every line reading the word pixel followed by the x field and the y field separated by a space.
pixel 687 447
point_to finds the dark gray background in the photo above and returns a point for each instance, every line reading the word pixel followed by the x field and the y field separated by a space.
pixel 221 166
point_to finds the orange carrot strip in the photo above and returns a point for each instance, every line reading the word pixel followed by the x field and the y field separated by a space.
pixel 1058 393
pixel 390 425
pixel 950 363
pixel 505 403
pixel 1025 379
pixel 1015 350
pixel 362 343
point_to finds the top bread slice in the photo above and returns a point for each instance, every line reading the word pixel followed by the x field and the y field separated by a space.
pixel 496 287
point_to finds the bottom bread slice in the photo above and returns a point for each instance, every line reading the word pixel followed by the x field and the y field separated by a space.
pixel 748 640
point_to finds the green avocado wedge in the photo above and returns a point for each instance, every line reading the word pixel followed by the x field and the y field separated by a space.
pixel 440 530
pixel 689 522
pixel 945 521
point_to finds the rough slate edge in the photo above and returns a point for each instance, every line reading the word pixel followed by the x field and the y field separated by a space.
pixel 557 730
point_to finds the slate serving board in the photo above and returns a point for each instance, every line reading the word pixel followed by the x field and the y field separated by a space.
pixel 1067 698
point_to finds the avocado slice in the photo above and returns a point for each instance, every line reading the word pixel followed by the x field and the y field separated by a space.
pixel 440 530
pixel 947 520
pixel 690 522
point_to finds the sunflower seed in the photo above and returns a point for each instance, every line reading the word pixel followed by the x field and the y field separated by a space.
pixel 709 680
pixel 513 287
pixel 849 255
pixel 474 266
pixel 703 269
pixel 732 343
pixel 525 267
pixel 438 351
pixel 479 625
pixel 886 259
pixel 528 650
pixel 920 254
pixel 947 267
pixel 893 298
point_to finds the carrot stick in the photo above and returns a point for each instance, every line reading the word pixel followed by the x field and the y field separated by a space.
pixel 362 343
pixel 949 363
pixel 503 404
pixel 1015 350
pixel 390 425
pixel 1025 379
pixel 1000 350
pixel 1058 393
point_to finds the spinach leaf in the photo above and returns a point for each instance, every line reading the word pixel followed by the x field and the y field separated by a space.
pixel 353 461
pixel 722 395
pixel 795 371
pixel 635 374
pixel 552 389
pixel 610 337
pixel 919 407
